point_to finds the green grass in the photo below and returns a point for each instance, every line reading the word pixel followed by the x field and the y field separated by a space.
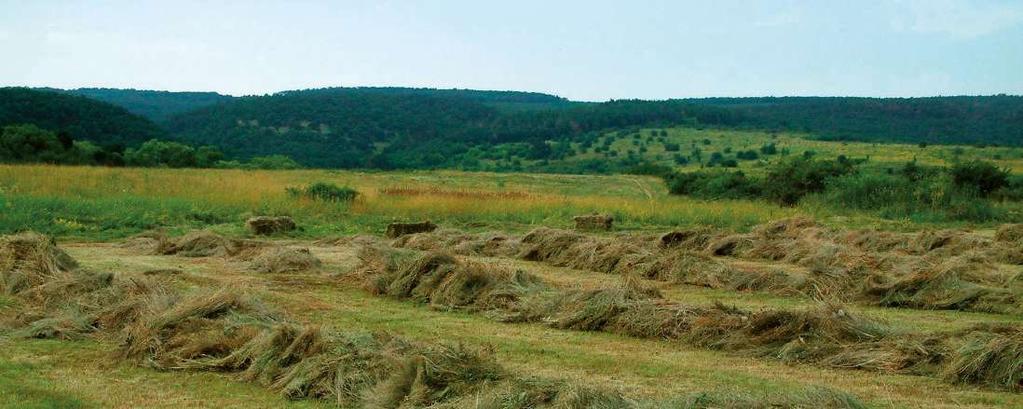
pixel 23 386
pixel 82 374
pixel 640 367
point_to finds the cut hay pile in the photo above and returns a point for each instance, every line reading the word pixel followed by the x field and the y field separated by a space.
pixel 268 225
pixel 30 259
pixel 1010 233
pixel 201 243
pixel 575 250
pixel 395 230
pixel 492 244
pixel 965 282
pixel 280 259
pixel 594 222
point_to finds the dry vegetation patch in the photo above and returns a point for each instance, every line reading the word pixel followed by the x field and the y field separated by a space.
pixel 830 335
pixel 162 323
pixel 928 270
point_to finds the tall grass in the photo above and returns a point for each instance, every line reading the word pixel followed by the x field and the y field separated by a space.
pixel 102 203
pixel 90 201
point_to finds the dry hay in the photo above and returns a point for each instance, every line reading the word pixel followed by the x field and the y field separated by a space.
pixel 493 244
pixel 828 265
pixel 991 356
pixel 201 243
pixel 1010 233
pixel 268 225
pixel 570 249
pixel 280 259
pixel 966 282
pixel 30 259
pixel 395 230
pixel 594 222
pixel 148 242
pixel 685 239
pixel 356 240
pixel 204 243
pixel 829 335
pixel 231 331
pixel 442 281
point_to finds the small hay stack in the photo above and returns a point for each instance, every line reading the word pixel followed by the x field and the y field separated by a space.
pixel 31 259
pixel 1010 233
pixel 594 222
pixel 276 260
pixel 267 225
pixel 200 243
pixel 395 230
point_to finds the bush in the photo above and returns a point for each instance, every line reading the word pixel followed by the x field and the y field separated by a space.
pixel 985 177
pixel 790 181
pixel 279 162
pixel 328 192
pixel 747 155
pixel 652 169
pixel 157 153
pixel 932 198
pixel 714 185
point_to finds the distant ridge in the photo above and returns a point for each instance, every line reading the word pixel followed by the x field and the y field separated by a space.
pixel 80 117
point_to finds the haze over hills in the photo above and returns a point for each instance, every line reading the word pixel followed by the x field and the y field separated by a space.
pixel 158 106
pixel 395 127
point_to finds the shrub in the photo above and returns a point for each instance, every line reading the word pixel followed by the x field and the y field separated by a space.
pixel 273 162
pixel 769 149
pixel 930 198
pixel 328 192
pixel 982 176
pixel 790 181
pixel 714 185
pixel 652 169
pixel 747 155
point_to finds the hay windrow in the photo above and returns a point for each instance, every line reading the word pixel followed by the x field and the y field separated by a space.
pixel 830 335
pixel 857 266
pixel 157 324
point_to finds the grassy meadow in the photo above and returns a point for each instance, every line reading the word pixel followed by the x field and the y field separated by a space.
pixel 92 210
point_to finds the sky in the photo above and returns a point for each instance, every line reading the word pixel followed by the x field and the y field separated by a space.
pixel 590 50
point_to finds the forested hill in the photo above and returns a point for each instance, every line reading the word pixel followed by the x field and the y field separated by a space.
pixel 79 117
pixel 938 120
pixel 392 127
pixel 155 105
pixel 410 128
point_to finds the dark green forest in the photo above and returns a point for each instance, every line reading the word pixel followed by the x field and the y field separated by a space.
pixel 401 128
pixel 81 118
pixel 416 128
pixel 988 120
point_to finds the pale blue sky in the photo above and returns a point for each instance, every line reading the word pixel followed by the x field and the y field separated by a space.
pixel 586 50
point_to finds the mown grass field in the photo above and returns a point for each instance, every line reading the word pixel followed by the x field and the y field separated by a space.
pixel 90 210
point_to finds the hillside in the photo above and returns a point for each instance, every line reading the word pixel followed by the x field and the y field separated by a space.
pixel 990 120
pixel 422 128
pixel 80 117
pixel 407 128
pixel 155 105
